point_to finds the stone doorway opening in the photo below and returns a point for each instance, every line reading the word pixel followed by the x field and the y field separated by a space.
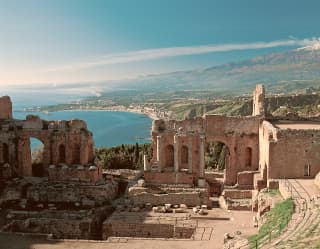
pixel 216 163
pixel 169 158
pixel 5 153
pixel 216 156
pixel 36 149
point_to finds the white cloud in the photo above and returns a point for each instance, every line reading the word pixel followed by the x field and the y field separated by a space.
pixel 159 53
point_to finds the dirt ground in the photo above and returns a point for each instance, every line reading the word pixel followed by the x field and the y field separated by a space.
pixel 209 235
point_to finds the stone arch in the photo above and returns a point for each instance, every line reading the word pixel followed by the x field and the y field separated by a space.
pixel 62 153
pixel 37 148
pixel 248 157
pixel 184 154
pixel 169 156
pixel 76 154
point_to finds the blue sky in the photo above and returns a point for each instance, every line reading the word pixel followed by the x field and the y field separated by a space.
pixel 58 41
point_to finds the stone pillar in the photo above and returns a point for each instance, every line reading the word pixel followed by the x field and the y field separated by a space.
pixel 259 101
pixel 176 153
pixel 201 181
pixel 5 108
pixel 190 155
pixel 159 152
pixel 145 163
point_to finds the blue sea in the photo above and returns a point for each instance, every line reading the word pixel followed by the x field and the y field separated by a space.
pixel 108 128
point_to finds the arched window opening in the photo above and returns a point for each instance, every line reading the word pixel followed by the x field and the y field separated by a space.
pixel 62 153
pixel 76 154
pixel 184 155
pixel 36 149
pixel 307 170
pixel 169 156
pixel 5 153
pixel 248 157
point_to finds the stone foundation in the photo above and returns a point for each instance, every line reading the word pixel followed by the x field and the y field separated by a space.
pixel 63 224
pixel 164 194
pixel 146 225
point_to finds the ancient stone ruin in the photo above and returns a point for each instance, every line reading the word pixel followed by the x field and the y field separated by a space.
pixel 65 193
pixel 260 150
pixel 62 192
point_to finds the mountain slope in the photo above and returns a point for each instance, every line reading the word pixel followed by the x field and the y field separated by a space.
pixel 300 65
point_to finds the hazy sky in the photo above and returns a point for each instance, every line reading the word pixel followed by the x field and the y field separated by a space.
pixel 56 41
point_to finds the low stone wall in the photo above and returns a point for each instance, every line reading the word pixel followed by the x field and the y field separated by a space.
pixel 235 204
pixel 62 229
pixel 188 196
pixel 41 191
pixel 152 230
pixel 138 225
pixel 215 182
pixel 78 173
pixel 64 224
pixel 62 192
pixel 169 178
pixel 245 179
pixel 190 199
pixel 237 194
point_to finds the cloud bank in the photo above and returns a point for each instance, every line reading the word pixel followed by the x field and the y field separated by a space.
pixel 159 53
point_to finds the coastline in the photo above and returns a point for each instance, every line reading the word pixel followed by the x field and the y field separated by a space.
pixel 149 113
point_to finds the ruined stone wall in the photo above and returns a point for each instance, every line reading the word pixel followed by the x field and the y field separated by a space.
pixel 65 224
pixel 144 230
pixel 5 107
pixel 65 142
pixel 287 153
pixel 44 192
pixel 74 173
pixel 187 134
pixel 237 194
pixel 85 195
pixel 189 196
pixel 170 178
pixel 180 146
pixel 245 179
pixel 62 229
pixel 238 134
pixel 129 225
pixel 292 152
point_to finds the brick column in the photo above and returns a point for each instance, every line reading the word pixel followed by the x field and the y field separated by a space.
pixel 190 154
pixel 176 153
pixel 159 152
pixel 145 163
pixel 201 181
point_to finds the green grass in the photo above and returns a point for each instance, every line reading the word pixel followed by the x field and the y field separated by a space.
pixel 276 220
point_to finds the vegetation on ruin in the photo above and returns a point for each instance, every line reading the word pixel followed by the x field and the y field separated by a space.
pixel 215 156
pixel 275 221
pixel 125 156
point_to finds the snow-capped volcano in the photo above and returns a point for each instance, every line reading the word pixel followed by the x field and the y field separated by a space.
pixel 311 47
